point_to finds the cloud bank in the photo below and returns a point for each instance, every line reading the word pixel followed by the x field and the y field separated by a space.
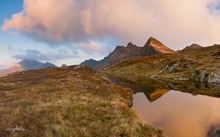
pixel 176 23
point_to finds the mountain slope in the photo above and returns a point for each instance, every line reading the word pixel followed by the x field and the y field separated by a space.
pixel 120 53
pixel 185 70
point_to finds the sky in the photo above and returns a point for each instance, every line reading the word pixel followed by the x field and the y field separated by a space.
pixel 71 31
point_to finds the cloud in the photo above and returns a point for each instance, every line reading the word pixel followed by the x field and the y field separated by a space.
pixel 49 56
pixel 91 47
pixel 176 23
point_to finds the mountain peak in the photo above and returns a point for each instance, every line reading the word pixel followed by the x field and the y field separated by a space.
pixel 158 46
pixel 151 40
pixel 131 45
pixel 193 46
pixel 28 60
pixel 152 47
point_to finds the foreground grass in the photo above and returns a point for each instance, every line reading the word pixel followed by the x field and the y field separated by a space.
pixel 67 102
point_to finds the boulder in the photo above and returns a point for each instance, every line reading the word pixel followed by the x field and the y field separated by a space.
pixel 214 77
pixel 202 75
pixel 172 68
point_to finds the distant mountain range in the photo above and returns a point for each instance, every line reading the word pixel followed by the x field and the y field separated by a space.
pixel 33 64
pixel 26 65
pixel 152 47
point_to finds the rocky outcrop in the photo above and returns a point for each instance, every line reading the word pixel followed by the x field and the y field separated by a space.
pixel 202 75
pixel 211 76
pixel 214 77
pixel 171 68
pixel 120 53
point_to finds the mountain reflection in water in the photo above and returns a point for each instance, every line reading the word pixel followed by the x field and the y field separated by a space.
pixel 178 114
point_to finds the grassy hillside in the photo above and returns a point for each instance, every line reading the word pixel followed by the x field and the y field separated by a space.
pixel 187 71
pixel 64 102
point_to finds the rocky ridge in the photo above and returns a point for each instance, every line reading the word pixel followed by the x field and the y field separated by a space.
pixel 183 70
pixel 152 47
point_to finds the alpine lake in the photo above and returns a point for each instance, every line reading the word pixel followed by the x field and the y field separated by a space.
pixel 177 113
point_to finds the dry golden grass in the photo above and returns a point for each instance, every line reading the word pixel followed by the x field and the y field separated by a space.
pixel 58 102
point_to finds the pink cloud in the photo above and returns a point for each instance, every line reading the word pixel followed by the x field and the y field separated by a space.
pixel 91 46
pixel 176 23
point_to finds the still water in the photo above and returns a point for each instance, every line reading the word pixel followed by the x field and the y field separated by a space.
pixel 180 114
pixel 177 113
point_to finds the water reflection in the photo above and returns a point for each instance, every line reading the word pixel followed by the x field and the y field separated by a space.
pixel 181 114
pixel 178 114
pixel 214 131
pixel 151 93
pixel 155 94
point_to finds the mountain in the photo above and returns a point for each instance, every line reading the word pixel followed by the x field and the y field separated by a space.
pixel 91 63
pixel 33 64
pixel 152 47
pixel 26 65
pixel 186 70
pixel 193 46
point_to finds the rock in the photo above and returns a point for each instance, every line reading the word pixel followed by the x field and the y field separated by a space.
pixel 216 65
pixel 162 71
pixel 172 68
pixel 64 66
pixel 193 72
pixel 153 76
pixel 214 77
pixel 80 67
pixel 182 79
pixel 171 85
pixel 202 75
pixel 185 79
